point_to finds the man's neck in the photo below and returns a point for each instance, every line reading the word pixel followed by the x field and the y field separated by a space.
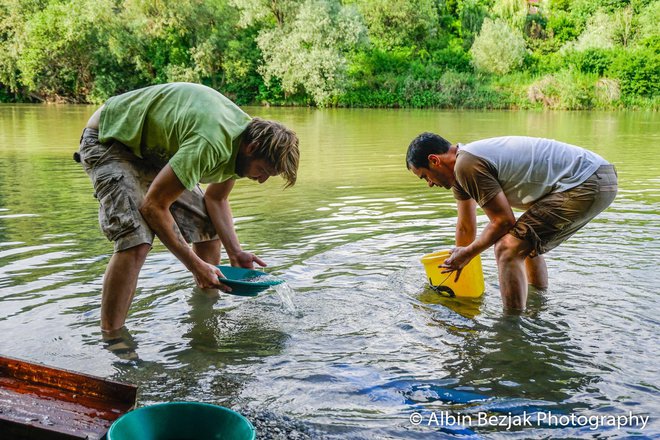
pixel 451 156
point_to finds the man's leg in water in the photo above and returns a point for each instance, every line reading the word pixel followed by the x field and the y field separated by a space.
pixel 119 285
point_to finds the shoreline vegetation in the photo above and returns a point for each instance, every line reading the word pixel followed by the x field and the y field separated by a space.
pixel 457 54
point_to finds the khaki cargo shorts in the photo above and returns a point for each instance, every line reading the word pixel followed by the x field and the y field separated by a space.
pixel 554 218
pixel 121 180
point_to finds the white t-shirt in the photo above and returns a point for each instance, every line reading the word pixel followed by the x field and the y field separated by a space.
pixel 526 168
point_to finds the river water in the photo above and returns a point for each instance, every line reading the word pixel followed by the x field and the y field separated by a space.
pixel 358 344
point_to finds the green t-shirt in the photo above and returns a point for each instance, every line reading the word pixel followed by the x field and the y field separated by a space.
pixel 190 126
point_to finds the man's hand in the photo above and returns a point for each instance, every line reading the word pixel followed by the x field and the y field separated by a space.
pixel 459 258
pixel 206 276
pixel 246 260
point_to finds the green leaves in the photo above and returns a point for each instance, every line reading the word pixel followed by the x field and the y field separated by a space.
pixel 498 48
pixel 307 53
pixel 336 52
pixel 393 24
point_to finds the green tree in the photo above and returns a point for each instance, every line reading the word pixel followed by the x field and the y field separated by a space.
pixel 498 48
pixel 175 40
pixel 13 14
pixel 62 48
pixel 265 12
pixel 639 72
pixel 647 21
pixel 513 12
pixel 241 60
pixel 472 14
pixel 306 50
pixel 625 23
pixel 599 34
pixel 399 23
pixel 88 50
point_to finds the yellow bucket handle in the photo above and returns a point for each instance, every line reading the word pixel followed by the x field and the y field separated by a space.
pixel 441 289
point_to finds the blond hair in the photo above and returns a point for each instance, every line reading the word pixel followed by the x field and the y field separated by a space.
pixel 276 144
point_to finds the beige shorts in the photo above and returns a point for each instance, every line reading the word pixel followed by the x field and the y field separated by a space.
pixel 120 181
pixel 554 218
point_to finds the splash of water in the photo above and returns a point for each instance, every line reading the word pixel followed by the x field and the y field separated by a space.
pixel 285 292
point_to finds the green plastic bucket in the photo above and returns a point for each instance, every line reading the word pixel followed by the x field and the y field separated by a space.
pixel 182 421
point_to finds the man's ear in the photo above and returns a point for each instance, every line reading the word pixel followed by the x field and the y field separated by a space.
pixel 251 147
pixel 433 159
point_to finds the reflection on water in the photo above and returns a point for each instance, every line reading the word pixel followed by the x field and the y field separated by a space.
pixel 121 343
pixel 467 308
pixel 355 341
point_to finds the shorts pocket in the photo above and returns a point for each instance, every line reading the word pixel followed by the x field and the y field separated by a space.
pixel 91 153
pixel 117 213
pixel 550 214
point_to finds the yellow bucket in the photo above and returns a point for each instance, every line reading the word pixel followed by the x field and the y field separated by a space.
pixel 470 283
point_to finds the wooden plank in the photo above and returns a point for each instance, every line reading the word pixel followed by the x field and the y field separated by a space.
pixel 12 430
pixel 66 380
pixel 40 402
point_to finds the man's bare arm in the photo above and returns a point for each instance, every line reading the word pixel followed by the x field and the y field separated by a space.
pixel 501 221
pixel 155 209
pixel 216 199
pixel 466 223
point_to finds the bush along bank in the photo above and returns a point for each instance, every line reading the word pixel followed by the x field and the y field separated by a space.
pixel 557 54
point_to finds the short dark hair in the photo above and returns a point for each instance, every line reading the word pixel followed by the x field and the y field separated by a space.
pixel 423 145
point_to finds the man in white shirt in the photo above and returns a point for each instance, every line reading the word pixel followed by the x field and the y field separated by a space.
pixel 561 187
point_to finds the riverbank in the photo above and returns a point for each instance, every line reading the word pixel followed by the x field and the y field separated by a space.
pixel 455 90
pixel 451 90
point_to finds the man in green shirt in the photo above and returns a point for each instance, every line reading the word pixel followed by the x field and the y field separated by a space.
pixel 146 151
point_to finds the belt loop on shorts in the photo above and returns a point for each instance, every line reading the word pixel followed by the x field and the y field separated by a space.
pixel 76 155
pixel 602 166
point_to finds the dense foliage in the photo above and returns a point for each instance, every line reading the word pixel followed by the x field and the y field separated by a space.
pixel 564 54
